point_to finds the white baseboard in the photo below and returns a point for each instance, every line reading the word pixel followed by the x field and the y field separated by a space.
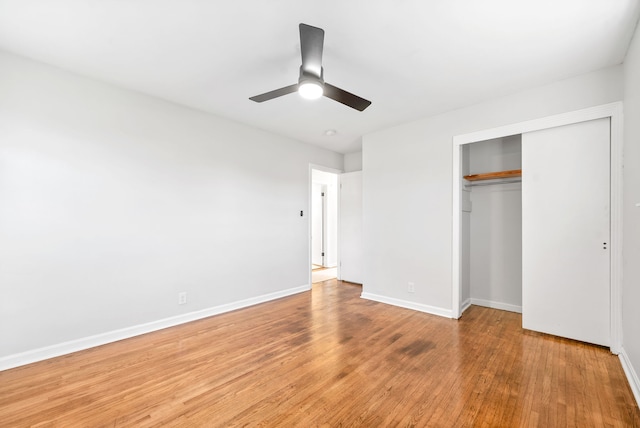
pixel 408 305
pixel 632 375
pixel 464 306
pixel 497 305
pixel 76 345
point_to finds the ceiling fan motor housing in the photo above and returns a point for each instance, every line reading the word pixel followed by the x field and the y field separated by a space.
pixel 306 77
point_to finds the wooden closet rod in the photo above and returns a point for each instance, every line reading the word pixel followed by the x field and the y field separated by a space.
pixel 494 175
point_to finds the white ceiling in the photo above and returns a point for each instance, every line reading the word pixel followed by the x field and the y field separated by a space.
pixel 411 58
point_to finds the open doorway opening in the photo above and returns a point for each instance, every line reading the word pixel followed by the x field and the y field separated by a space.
pixel 324 225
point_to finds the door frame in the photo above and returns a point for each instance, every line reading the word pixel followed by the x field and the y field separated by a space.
pixel 614 111
pixel 309 221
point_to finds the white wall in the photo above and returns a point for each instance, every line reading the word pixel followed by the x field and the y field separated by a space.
pixel 465 248
pixel 465 232
pixel 631 212
pixel 113 202
pixel 353 162
pixel 351 267
pixel 496 227
pixel 407 179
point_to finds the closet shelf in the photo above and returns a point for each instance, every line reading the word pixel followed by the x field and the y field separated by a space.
pixel 494 175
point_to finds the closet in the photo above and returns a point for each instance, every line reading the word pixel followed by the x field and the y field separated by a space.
pixel 539 243
pixel 492 223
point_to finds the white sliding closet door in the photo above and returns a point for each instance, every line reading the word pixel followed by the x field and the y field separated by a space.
pixel 351 227
pixel 565 231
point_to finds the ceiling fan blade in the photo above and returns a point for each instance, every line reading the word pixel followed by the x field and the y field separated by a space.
pixel 346 98
pixel 311 45
pixel 275 94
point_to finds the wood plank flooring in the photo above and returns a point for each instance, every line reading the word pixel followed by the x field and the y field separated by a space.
pixel 327 358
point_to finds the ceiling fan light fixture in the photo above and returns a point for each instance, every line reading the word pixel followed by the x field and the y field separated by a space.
pixel 311 84
pixel 310 90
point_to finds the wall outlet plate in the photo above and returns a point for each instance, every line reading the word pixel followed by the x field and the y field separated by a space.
pixel 182 298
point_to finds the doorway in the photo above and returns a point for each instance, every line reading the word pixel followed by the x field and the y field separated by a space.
pixel 324 225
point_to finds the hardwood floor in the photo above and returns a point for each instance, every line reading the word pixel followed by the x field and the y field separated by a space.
pixel 323 274
pixel 327 358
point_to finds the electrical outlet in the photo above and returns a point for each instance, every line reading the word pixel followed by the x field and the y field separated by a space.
pixel 411 287
pixel 182 298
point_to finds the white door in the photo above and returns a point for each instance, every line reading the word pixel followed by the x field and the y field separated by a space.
pixel 317 224
pixel 351 227
pixel 565 231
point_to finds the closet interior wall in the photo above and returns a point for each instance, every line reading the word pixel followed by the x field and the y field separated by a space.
pixel 491 226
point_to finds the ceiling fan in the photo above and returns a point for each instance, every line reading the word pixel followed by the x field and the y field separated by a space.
pixel 311 84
